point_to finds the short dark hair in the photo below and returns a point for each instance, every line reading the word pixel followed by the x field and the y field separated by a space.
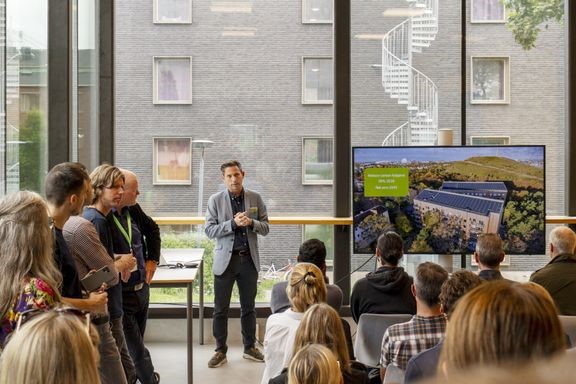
pixel 489 249
pixel 391 247
pixel 63 180
pixel 231 163
pixel 428 282
pixel 312 251
pixel 455 287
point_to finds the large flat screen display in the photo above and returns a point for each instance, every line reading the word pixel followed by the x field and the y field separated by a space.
pixel 439 199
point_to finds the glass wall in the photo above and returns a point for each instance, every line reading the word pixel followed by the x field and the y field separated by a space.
pixel 26 68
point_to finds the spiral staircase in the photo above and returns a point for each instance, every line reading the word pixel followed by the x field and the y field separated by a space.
pixel 407 84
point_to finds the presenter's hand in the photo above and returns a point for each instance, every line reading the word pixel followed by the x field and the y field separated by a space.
pixel 125 262
pixel 242 219
pixel 150 270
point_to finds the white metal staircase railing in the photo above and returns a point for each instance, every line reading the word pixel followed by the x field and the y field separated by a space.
pixel 404 82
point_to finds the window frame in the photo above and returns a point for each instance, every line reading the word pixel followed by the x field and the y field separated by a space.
pixel 476 21
pixel 155 149
pixel 155 98
pixel 304 21
pixel 316 102
pixel 156 15
pixel 315 182
pixel 506 85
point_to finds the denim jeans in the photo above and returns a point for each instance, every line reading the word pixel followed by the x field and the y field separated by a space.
pixel 242 271
pixel 127 364
pixel 135 305
pixel 111 371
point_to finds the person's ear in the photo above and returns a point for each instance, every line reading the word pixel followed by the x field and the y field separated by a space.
pixel 413 290
pixel 502 256
pixel 72 199
pixel 476 257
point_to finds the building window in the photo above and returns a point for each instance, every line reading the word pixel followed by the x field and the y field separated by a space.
pixel 172 11
pixel 317 80
pixel 172 80
pixel 317 11
pixel 489 140
pixel 317 160
pixel 488 11
pixel 490 80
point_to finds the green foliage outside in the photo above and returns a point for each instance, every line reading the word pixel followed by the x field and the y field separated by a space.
pixel 32 153
pixel 178 295
pixel 525 18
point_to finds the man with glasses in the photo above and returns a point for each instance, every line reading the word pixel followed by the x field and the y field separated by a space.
pixel 234 218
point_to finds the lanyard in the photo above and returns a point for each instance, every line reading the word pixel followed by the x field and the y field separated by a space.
pixel 127 235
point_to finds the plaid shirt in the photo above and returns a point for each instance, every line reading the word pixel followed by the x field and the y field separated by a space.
pixel 404 340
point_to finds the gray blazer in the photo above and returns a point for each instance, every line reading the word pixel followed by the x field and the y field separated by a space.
pixel 219 226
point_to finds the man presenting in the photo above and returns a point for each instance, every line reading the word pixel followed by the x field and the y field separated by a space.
pixel 234 217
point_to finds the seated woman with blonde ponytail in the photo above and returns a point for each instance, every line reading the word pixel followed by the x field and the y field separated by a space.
pixel 306 286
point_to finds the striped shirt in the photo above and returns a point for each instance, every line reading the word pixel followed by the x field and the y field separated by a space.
pixel 404 340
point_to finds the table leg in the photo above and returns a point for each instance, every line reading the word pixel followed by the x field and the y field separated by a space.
pixel 189 333
pixel 201 314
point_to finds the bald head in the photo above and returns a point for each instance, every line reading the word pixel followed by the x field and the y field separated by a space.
pixel 131 191
pixel 562 240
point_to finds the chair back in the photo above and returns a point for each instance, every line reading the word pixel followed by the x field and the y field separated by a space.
pixel 371 328
pixel 569 325
pixel 394 375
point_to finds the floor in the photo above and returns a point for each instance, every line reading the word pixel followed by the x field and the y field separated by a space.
pixel 170 361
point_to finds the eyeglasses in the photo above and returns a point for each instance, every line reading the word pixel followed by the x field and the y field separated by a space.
pixel 29 314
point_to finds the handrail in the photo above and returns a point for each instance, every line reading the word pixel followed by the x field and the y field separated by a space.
pixel 317 220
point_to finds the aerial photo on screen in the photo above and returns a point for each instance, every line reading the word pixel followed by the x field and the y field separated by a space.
pixel 439 199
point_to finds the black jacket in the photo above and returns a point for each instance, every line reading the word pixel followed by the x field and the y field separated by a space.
pixel 387 290
pixel 150 233
pixel 559 279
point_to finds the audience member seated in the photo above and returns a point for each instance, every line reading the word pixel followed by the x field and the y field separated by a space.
pixel 556 371
pixel 502 324
pixel 311 251
pixel 425 329
pixel 305 287
pixel 30 277
pixel 53 347
pixel 559 275
pixel 424 364
pixel 386 290
pixel 314 364
pixel 489 254
pixel 321 325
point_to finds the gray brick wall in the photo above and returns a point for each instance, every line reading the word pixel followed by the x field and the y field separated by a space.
pixel 257 81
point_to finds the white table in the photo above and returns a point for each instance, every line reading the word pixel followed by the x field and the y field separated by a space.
pixel 185 277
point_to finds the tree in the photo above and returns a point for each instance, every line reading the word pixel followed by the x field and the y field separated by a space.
pixel 526 16
pixel 32 152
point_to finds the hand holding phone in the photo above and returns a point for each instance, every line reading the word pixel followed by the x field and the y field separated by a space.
pixel 94 279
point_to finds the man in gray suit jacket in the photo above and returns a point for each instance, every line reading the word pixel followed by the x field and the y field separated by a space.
pixel 234 218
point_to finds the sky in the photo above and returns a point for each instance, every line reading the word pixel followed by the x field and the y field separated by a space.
pixel 397 154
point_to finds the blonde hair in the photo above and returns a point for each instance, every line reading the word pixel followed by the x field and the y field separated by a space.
pixel 27 246
pixel 321 324
pixel 306 286
pixel 314 364
pixel 500 323
pixel 104 176
pixel 52 348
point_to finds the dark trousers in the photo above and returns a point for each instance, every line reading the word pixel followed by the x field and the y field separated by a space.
pixel 135 305
pixel 242 271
